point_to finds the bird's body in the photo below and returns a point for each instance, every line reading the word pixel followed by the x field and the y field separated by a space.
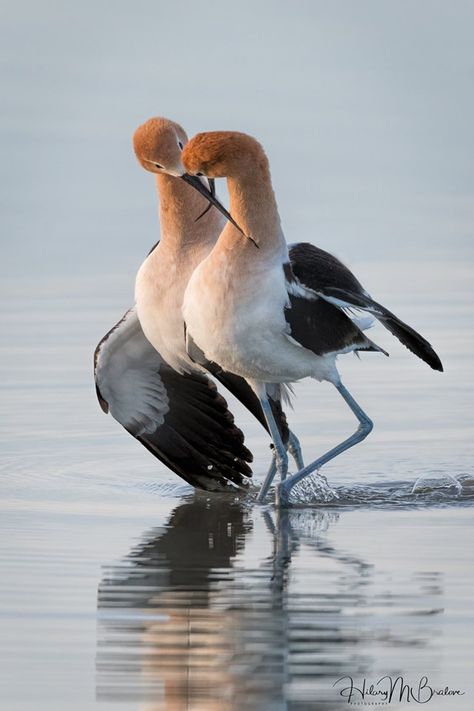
pixel 144 375
pixel 234 310
pixel 237 304
pixel 270 316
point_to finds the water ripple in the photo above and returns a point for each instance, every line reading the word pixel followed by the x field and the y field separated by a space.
pixel 188 615
pixel 432 488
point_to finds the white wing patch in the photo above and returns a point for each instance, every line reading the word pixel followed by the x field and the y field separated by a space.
pixel 296 288
pixel 128 377
pixel 358 316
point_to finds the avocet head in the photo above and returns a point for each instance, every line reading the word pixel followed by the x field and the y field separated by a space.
pixel 223 154
pixel 158 145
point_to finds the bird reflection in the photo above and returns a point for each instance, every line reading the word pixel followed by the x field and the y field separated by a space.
pixel 165 625
pixel 191 619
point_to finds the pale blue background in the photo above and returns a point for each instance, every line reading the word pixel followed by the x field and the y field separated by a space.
pixel 365 108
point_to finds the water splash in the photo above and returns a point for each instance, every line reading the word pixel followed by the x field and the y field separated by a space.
pixel 437 483
pixel 313 489
pixel 432 488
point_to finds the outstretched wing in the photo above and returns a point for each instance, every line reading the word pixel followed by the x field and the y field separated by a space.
pixel 181 419
pixel 333 282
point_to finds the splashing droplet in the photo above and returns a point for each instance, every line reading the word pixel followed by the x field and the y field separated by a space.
pixel 313 489
pixel 434 483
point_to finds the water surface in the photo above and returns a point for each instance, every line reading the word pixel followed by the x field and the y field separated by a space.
pixel 120 583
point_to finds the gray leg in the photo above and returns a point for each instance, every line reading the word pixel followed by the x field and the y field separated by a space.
pixel 280 456
pixel 268 479
pixel 365 426
pixel 294 449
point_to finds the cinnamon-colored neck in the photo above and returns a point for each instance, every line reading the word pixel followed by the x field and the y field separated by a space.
pixel 180 206
pixel 253 206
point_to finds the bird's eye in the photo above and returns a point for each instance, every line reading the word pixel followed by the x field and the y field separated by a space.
pixel 180 145
pixel 157 165
pixel 200 174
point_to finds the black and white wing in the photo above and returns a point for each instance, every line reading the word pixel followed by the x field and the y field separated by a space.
pixel 240 389
pixel 181 419
pixel 318 325
pixel 334 283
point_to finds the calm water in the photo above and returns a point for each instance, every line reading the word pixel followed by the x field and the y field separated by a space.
pixel 123 588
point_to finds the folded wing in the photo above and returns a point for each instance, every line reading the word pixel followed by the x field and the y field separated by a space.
pixel 328 278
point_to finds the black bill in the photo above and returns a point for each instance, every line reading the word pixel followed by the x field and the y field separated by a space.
pixel 209 194
pixel 212 189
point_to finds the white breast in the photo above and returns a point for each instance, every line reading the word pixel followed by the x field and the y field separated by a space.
pixel 159 290
pixel 237 319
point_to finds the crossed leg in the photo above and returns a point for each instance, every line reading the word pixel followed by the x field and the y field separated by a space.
pixel 280 457
pixel 365 427
pixel 294 448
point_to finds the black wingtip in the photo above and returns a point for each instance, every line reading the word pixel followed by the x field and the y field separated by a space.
pixel 407 335
pixel 412 340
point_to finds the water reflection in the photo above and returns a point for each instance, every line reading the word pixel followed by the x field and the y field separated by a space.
pixel 229 606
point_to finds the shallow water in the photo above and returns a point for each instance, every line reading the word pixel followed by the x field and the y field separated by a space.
pixel 246 614
pixel 121 584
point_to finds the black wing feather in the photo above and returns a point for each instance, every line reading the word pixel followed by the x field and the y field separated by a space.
pixel 407 335
pixel 323 328
pixel 314 267
pixel 181 419
pixel 240 389
pixel 315 323
pixel 327 276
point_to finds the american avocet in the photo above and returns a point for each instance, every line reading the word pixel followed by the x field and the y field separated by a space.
pixel 269 319
pixel 178 416
pixel 155 391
